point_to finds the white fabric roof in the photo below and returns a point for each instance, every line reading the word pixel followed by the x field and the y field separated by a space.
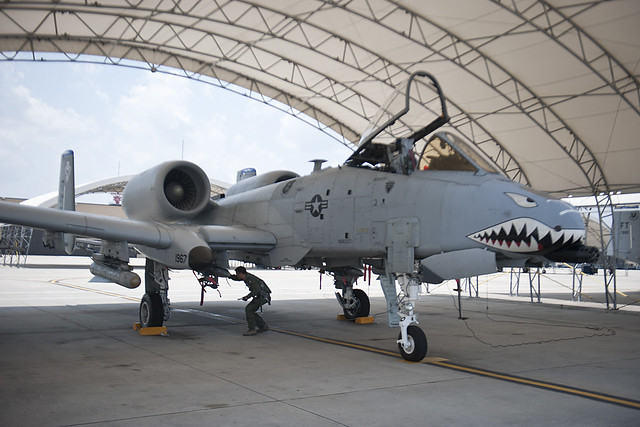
pixel 114 184
pixel 548 89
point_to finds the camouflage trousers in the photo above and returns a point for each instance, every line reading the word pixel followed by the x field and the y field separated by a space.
pixel 251 310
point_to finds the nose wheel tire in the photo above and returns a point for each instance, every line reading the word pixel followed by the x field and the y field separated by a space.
pixel 361 307
pixel 151 310
pixel 417 349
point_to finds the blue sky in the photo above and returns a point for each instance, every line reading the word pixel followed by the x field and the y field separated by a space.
pixel 123 120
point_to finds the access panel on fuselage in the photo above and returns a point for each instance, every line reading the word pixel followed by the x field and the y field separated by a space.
pixel 420 196
pixel 332 211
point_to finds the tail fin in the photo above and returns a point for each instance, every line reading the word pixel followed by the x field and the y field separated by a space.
pixel 67 194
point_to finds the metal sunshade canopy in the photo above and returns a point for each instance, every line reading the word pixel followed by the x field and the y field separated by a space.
pixel 548 89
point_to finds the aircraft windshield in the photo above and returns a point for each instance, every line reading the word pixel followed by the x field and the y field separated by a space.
pixel 445 151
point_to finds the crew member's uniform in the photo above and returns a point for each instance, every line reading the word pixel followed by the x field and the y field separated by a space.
pixel 255 291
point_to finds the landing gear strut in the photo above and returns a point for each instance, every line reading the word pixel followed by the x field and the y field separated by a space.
pixel 412 341
pixel 155 307
pixel 354 302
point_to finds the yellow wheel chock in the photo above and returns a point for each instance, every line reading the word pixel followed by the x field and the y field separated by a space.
pixel 154 330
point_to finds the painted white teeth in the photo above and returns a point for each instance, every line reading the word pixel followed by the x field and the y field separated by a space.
pixel 519 224
pixel 508 236
pixel 556 235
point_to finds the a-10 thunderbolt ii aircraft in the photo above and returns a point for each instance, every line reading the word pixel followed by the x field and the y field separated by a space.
pixel 415 204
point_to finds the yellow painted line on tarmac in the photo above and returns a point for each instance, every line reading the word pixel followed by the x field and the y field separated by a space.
pixel 338 342
pixel 433 361
pixel 444 363
pixel 95 291
pixel 541 384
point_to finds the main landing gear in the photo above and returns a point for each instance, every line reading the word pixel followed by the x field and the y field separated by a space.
pixel 155 307
pixel 354 302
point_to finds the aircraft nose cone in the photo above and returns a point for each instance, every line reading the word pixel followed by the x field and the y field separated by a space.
pixel 573 250
pixel 573 221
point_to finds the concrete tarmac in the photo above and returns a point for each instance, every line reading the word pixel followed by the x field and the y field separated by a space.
pixel 68 356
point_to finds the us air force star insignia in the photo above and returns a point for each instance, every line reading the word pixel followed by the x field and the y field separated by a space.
pixel 316 205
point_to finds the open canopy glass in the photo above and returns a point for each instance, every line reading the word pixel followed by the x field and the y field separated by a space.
pixel 395 140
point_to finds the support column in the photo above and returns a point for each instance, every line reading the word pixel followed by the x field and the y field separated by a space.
pixel 532 287
pixel 388 285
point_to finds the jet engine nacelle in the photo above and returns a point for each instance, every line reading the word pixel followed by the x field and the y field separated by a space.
pixel 259 181
pixel 170 192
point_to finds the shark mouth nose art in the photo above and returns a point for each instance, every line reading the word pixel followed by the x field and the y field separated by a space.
pixel 525 235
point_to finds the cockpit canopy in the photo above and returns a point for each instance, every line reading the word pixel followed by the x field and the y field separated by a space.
pixel 395 139
pixel 446 151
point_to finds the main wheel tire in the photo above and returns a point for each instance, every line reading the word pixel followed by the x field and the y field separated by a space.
pixel 362 307
pixel 151 310
pixel 418 349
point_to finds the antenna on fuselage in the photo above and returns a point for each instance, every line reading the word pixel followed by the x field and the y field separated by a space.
pixel 317 164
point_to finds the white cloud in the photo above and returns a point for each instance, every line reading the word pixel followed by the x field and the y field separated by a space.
pixel 56 122
pixel 34 134
pixel 112 116
pixel 160 104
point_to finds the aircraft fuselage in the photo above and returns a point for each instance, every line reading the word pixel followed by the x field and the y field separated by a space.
pixel 346 213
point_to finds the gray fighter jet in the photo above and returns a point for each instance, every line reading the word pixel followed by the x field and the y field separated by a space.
pixel 413 203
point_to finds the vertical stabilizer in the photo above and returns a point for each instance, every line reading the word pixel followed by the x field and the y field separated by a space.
pixel 67 194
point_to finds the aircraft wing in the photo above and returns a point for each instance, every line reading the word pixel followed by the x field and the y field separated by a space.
pixel 145 233
pixel 100 226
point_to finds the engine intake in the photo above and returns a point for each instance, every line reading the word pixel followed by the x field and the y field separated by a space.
pixel 170 192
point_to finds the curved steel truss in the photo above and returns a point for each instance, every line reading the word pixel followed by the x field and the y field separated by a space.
pixel 332 63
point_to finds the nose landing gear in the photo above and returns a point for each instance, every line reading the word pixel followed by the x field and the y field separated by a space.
pixel 412 341
pixel 414 347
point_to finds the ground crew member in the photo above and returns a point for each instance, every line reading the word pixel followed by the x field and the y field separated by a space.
pixel 257 292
